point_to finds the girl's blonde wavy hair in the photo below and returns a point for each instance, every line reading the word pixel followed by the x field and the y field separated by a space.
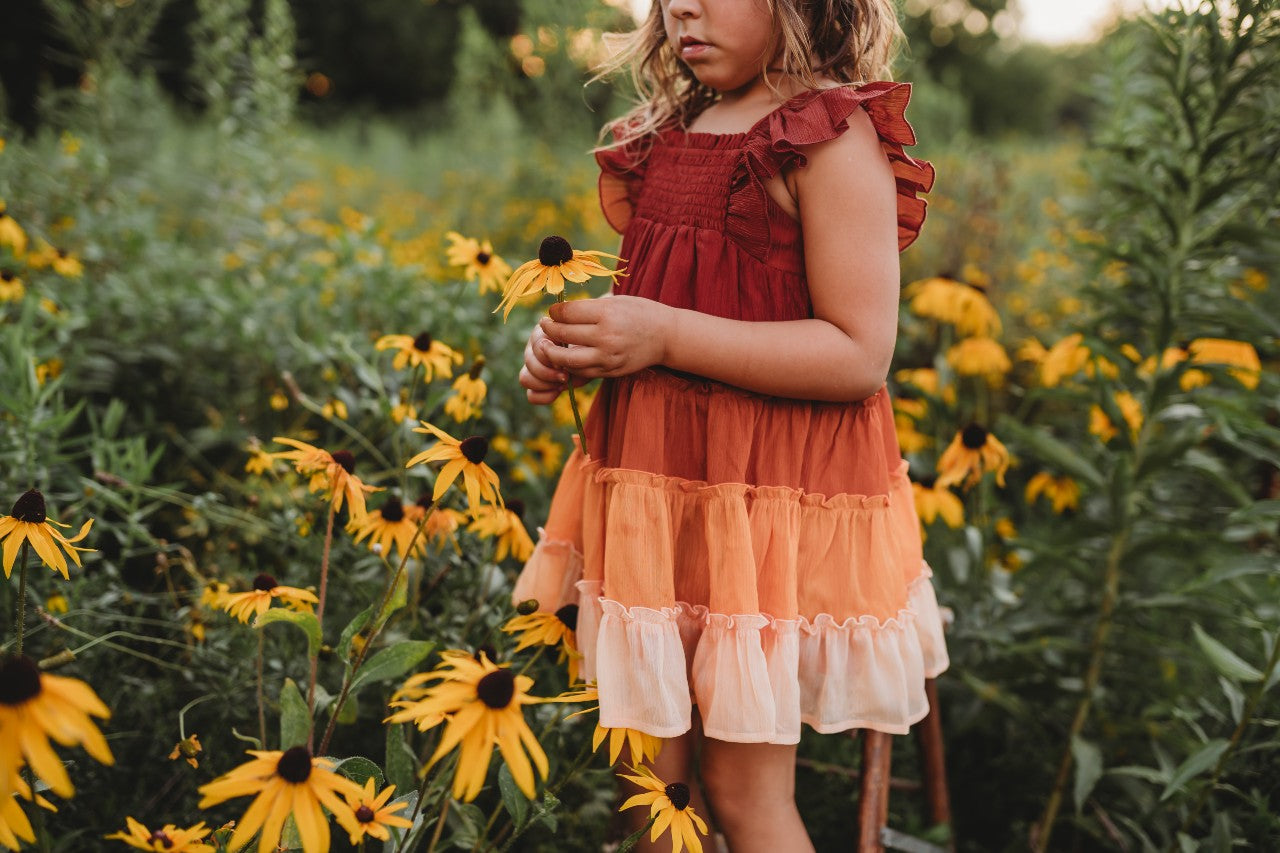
pixel 849 41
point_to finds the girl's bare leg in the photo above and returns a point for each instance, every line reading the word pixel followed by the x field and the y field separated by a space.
pixel 752 787
pixel 676 763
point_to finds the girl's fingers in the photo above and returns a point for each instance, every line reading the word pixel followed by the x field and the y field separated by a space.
pixel 542 398
pixel 568 333
pixel 530 382
pixel 540 369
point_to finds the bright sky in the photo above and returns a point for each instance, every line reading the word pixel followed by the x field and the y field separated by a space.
pixel 1051 21
pixel 1062 21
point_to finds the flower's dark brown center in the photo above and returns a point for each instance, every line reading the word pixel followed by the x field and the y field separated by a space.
pixel 476 367
pixel 364 814
pixel 569 616
pixel 61 253
pixel 483 258
pixel 6 275
pixel 974 437
pixel 516 506
pixel 393 510
pixel 678 794
pixel 265 583
pixel 474 448
pixel 19 679
pixel 425 501
pixel 554 251
pixel 497 688
pixel 528 606
pixel 29 507
pixel 295 765
pixel 345 459
pixel 423 342
pixel 159 837
pixel 928 481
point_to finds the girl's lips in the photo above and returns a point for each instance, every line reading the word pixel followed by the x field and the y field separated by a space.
pixel 692 48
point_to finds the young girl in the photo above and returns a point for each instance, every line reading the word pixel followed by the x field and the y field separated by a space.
pixel 740 538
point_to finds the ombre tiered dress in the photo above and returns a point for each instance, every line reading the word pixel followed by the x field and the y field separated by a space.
pixel 758 556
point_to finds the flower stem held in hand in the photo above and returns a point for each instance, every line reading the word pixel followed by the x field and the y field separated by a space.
pixel 573 403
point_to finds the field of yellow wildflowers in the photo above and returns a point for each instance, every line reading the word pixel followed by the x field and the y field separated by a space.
pixel 270 477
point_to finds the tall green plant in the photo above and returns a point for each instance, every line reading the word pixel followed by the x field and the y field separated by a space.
pixel 1187 199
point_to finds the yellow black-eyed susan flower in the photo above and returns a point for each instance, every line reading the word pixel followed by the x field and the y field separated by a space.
pixel 1063 492
pixel 48 370
pixel 669 804
pixel 187 749
pixel 11 233
pixel 330 473
pixel 260 461
pixel 465 458
pixel 973 452
pixel 168 839
pixel 35 707
pixel 373 815
pixel 964 306
pixel 483 705
pixel 640 746
pixel 11 287
pixel 934 501
pixel 557 262
pixel 506 524
pixel 1063 360
pixel 979 357
pixel 1240 358
pixel 27 522
pixel 469 391
pixel 478 261
pixel 443 522
pixel 15 826
pixel 558 629
pixel 292 782
pixel 66 265
pixel 257 600
pixel 423 351
pixel 390 525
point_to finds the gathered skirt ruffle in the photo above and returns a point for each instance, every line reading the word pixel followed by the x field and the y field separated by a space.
pixel 766 606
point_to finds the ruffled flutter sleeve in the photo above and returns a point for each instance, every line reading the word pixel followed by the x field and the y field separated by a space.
pixel 621 175
pixel 778 143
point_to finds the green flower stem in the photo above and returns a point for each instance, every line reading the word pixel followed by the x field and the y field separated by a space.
pixel 22 593
pixel 262 702
pixel 1043 828
pixel 573 402
pixel 373 634
pixel 324 588
pixel 1246 717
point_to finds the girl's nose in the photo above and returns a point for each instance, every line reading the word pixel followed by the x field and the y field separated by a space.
pixel 682 8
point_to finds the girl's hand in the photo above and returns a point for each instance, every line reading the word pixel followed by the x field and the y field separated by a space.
pixel 605 337
pixel 542 383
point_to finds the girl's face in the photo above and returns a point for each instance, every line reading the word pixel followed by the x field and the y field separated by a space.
pixel 724 42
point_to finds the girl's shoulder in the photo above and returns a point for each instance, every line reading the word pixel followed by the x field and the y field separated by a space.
pixel 782 140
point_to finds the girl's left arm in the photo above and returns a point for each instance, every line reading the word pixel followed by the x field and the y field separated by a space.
pixel 847 201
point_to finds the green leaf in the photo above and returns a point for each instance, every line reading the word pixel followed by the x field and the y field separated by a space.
pixel 358 769
pixel 348 633
pixel 391 662
pixel 512 797
pixel 399 597
pixel 1223 659
pixel 1204 758
pixel 1049 449
pixel 1088 760
pixel 295 718
pixel 306 622
pixel 400 759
